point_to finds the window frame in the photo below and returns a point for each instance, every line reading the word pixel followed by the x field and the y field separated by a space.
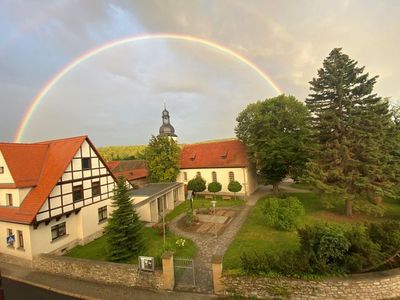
pixel 20 239
pixel 185 176
pixel 89 163
pixel 231 176
pixel 214 177
pixel 75 191
pixel 9 199
pixel 102 214
pixel 1 170
pixel 60 229
pixel 96 187
pixel 198 174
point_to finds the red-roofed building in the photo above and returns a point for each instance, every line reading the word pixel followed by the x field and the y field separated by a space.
pixel 53 196
pixel 134 171
pixel 221 161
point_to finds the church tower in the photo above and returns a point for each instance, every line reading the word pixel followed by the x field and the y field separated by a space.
pixel 166 128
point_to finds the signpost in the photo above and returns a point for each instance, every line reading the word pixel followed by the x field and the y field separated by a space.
pixel 10 239
pixel 146 263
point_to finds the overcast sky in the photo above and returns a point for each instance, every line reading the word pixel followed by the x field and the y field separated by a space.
pixel 117 96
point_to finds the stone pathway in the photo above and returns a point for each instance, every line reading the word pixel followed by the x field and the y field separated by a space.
pixel 210 245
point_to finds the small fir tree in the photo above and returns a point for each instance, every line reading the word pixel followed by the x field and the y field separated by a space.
pixel 124 230
pixel 234 187
pixel 214 187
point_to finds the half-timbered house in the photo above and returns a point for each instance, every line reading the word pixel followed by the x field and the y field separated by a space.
pixel 53 196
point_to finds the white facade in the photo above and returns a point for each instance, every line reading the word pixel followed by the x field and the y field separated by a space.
pixel 245 176
pixel 64 220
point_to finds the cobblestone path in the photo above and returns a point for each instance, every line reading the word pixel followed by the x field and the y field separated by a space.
pixel 210 245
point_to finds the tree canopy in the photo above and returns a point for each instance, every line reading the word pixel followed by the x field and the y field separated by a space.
pixel 124 229
pixel 351 132
pixel 197 184
pixel 276 134
pixel 162 155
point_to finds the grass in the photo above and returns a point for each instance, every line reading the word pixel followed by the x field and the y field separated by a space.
pixel 96 250
pixel 201 202
pixel 256 236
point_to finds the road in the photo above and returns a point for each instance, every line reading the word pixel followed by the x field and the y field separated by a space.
pixel 14 290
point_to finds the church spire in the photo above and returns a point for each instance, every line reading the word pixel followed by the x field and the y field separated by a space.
pixel 166 128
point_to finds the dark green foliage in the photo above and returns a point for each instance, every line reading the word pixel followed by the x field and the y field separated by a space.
pixel 197 184
pixel 276 134
pixel 214 187
pixel 162 155
pixel 330 249
pixel 234 187
pixel 325 246
pixel 283 214
pixel 110 153
pixel 351 160
pixel 124 230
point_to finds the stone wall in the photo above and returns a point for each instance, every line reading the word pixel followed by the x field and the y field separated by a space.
pixel 376 285
pixel 99 271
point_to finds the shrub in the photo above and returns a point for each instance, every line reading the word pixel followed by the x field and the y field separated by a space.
pixel 197 184
pixel 325 245
pixel 385 234
pixel 214 187
pixel 234 187
pixel 190 218
pixel 283 214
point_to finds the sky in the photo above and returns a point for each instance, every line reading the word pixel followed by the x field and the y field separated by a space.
pixel 116 96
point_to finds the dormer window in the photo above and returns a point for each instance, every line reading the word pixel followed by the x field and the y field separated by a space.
pixel 86 165
pixel 224 155
pixel 193 156
pixel 1 170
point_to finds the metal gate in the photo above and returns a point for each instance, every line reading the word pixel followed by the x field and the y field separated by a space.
pixel 184 273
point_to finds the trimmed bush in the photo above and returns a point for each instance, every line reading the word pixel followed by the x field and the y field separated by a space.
pixel 283 214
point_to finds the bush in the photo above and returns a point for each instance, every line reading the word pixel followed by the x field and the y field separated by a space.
pixel 234 187
pixel 197 184
pixel 214 187
pixel 283 214
pixel 190 218
pixel 325 246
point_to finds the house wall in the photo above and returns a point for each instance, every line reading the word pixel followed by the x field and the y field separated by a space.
pixel 14 250
pixel 242 175
pixel 6 177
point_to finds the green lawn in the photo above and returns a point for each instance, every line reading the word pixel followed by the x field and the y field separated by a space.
pixel 201 202
pixel 96 250
pixel 256 236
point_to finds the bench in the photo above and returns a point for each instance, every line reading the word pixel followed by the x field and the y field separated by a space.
pixel 208 197
pixel 226 197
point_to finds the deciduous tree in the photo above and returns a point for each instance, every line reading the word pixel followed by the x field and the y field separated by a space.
pixel 276 134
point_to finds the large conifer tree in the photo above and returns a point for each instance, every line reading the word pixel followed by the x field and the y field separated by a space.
pixel 124 229
pixel 351 126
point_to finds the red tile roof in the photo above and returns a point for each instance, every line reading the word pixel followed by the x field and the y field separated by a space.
pixel 129 169
pixel 222 154
pixel 39 165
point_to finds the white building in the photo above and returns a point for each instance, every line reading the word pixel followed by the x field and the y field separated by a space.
pixel 221 161
pixel 53 196
pixel 156 199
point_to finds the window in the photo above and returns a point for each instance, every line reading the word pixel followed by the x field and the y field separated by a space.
pixel 20 237
pixel 185 176
pixel 1 170
pixel 77 193
pixel 95 188
pixel 9 199
pixel 11 237
pixel 198 174
pixel 102 213
pixel 86 164
pixel 58 231
pixel 214 176
pixel 231 176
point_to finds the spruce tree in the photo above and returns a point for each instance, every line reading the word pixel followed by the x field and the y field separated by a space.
pixel 351 124
pixel 124 230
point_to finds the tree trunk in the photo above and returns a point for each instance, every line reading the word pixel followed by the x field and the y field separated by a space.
pixel 349 207
pixel 275 188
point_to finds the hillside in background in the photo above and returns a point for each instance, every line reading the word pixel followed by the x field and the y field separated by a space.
pixel 110 153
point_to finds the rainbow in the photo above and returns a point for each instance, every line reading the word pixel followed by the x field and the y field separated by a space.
pixel 70 66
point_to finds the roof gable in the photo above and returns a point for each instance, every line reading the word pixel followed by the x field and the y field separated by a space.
pixel 58 155
pixel 223 154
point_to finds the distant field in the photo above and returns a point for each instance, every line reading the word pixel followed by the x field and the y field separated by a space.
pixel 110 153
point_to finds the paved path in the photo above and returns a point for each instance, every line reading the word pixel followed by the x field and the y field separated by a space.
pixel 210 245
